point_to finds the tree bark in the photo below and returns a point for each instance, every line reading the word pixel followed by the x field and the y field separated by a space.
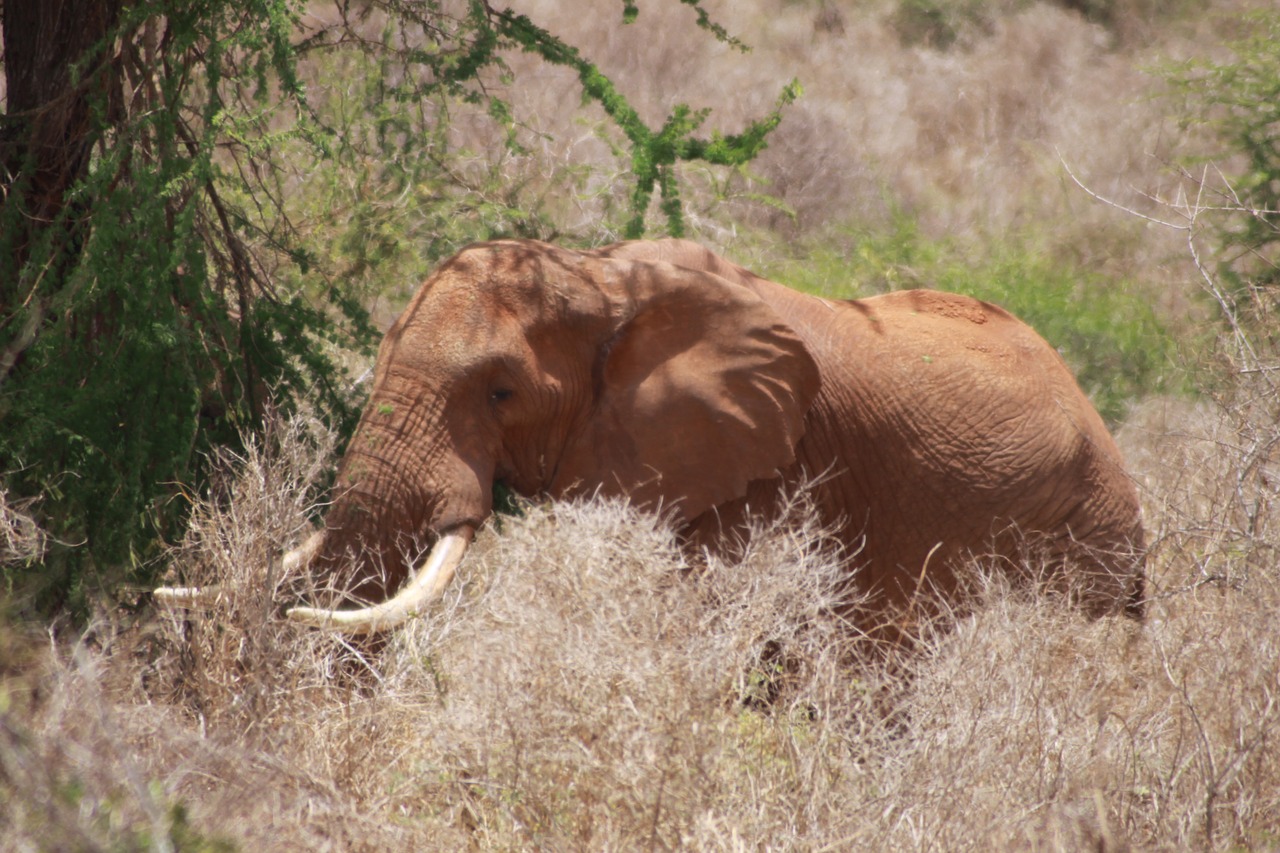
pixel 57 69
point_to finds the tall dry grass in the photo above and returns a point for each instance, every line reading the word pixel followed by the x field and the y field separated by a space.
pixel 971 140
pixel 582 687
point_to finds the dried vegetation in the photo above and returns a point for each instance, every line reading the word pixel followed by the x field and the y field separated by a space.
pixel 582 687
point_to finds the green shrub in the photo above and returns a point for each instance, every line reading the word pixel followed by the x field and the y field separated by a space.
pixel 139 322
pixel 941 23
pixel 1239 100
pixel 187 240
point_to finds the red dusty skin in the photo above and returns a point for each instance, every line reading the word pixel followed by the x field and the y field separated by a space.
pixel 938 427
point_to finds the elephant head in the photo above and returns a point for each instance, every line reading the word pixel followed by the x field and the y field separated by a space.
pixel 555 373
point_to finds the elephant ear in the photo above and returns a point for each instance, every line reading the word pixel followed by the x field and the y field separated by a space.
pixel 700 389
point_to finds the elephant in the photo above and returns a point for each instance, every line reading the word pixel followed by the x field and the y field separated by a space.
pixel 933 427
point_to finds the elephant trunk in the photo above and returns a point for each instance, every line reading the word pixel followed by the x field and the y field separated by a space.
pixel 371 542
pixel 402 483
pixel 378 527
pixel 370 539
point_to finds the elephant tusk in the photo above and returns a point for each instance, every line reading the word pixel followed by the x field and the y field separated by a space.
pixel 301 557
pixel 426 585
pixel 187 597
pixel 200 597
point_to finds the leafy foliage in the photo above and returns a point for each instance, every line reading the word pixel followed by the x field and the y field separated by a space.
pixel 1240 101
pixel 654 154
pixel 944 24
pixel 141 325
pixel 190 274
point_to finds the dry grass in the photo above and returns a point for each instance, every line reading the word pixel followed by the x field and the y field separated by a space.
pixel 970 140
pixel 583 688
pixel 21 539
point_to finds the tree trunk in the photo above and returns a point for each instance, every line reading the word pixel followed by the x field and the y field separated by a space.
pixel 57 71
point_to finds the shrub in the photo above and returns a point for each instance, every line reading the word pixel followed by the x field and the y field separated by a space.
pixel 1239 100
pixel 940 24
pixel 581 687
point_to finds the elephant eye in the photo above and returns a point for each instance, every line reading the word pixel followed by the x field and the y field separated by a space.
pixel 501 394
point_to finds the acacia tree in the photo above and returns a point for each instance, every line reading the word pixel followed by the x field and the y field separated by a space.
pixel 156 294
